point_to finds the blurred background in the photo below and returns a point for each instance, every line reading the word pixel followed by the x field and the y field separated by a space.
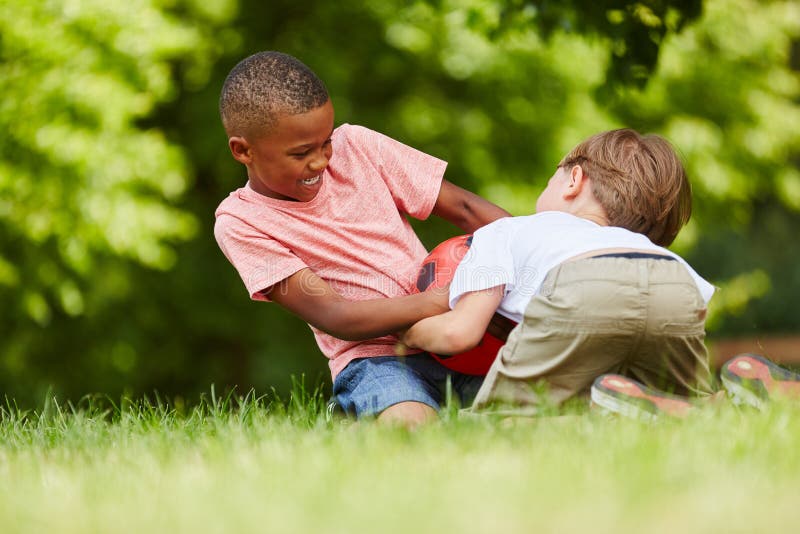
pixel 112 160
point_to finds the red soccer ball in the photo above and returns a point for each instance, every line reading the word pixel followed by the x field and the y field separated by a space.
pixel 436 272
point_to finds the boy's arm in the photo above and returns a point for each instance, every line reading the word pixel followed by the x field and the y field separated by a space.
pixel 465 209
pixel 459 329
pixel 312 299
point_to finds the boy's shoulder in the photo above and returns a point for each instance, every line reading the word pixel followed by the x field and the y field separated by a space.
pixel 230 203
pixel 542 226
pixel 355 133
pixel 523 221
pixel 559 218
pixel 240 208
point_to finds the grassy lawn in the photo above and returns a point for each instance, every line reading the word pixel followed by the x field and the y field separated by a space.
pixel 252 466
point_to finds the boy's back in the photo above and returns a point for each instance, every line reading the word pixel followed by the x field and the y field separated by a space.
pixel 592 292
pixel 518 252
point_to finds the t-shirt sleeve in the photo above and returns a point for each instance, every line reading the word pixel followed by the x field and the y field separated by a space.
pixel 413 178
pixel 488 262
pixel 260 260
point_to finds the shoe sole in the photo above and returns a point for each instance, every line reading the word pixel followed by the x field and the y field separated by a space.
pixel 740 395
pixel 639 402
pixel 760 380
pixel 613 404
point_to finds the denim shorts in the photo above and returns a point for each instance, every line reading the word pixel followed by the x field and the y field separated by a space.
pixel 367 386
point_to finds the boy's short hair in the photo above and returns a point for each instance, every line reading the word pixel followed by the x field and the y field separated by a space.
pixel 262 87
pixel 638 179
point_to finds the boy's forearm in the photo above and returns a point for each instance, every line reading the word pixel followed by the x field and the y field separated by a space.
pixel 431 334
pixel 367 319
pixel 459 329
pixel 465 209
pixel 313 300
pixel 480 212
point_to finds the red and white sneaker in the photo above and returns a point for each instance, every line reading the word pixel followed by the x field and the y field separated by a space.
pixel 625 396
pixel 752 379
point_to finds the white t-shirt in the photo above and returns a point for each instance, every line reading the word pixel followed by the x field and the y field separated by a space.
pixel 518 252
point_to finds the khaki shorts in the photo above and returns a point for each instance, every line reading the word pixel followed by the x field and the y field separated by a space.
pixel 640 317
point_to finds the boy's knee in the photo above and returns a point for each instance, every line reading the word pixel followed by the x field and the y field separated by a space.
pixel 409 414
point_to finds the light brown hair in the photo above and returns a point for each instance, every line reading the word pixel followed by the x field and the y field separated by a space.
pixel 638 179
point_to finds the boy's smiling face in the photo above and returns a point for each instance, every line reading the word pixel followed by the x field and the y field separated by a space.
pixel 287 162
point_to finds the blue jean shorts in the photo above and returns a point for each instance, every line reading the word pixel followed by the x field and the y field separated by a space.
pixel 367 386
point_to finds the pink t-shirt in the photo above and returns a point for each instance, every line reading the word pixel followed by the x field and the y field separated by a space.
pixel 353 234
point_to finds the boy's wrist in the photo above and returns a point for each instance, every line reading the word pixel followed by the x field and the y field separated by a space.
pixel 437 300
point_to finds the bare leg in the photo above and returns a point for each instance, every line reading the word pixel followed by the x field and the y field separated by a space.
pixel 408 414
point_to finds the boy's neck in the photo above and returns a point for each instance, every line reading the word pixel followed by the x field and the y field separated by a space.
pixel 597 218
pixel 587 207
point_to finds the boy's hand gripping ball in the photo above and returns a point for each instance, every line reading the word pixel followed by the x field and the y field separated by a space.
pixel 437 271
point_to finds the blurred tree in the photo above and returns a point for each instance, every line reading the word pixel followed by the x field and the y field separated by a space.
pixel 113 160
pixel 635 30
pixel 729 104
pixel 88 191
pixel 502 105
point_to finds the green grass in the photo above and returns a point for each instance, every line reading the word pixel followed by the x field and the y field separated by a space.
pixel 252 465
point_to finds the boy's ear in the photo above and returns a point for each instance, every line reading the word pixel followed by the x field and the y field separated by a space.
pixel 240 149
pixel 575 182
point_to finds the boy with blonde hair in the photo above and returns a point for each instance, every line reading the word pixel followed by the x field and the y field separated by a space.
pixel 587 279
pixel 321 229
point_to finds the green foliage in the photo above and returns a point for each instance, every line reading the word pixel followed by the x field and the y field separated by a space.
pixel 636 30
pixel 730 105
pixel 87 179
pixel 113 160
pixel 87 186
